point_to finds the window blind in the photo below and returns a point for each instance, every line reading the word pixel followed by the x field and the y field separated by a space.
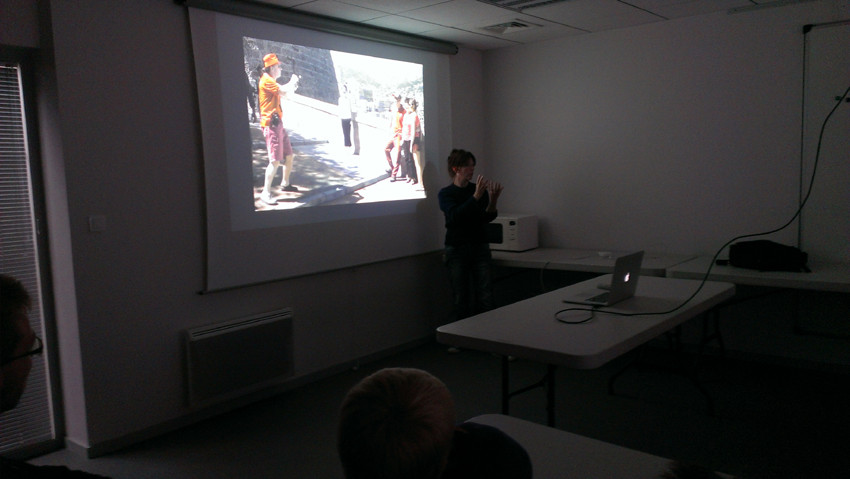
pixel 31 423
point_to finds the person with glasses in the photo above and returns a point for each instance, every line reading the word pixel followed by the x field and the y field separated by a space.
pixel 18 342
pixel 18 345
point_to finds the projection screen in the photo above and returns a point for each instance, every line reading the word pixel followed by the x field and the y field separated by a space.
pixel 340 206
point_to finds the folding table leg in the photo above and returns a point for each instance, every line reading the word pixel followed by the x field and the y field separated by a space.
pixel 547 382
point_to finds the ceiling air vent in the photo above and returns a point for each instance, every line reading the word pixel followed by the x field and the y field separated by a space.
pixel 510 27
pixel 520 5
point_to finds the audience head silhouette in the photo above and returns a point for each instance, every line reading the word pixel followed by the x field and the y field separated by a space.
pixel 396 423
pixel 16 341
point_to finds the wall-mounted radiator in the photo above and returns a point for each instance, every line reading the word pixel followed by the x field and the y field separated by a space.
pixel 232 358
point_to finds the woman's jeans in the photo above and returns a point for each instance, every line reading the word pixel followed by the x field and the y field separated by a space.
pixel 469 272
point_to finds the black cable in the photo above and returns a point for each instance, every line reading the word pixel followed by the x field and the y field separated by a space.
pixel 580 321
pixel 737 238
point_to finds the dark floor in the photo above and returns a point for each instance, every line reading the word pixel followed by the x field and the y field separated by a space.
pixel 769 421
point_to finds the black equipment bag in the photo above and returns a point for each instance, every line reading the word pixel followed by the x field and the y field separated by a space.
pixel 766 255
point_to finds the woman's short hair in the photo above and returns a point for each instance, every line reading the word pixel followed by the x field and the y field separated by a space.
pixel 396 423
pixel 458 159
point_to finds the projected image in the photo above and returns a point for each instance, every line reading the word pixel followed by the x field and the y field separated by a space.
pixel 330 128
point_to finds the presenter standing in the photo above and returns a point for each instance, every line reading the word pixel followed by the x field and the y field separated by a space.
pixel 468 207
pixel 277 140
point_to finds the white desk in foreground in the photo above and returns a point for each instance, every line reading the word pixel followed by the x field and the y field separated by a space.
pixel 528 329
pixel 557 454
pixel 582 260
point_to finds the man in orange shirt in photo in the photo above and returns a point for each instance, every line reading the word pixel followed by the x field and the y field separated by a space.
pixel 271 114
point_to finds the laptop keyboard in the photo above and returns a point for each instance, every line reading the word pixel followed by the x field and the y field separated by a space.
pixel 599 298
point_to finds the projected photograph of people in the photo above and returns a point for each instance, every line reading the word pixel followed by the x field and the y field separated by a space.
pixel 330 127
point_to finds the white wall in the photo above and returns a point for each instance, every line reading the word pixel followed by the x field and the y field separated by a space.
pixel 674 136
pixel 123 141
pixel 19 29
pixel 467 104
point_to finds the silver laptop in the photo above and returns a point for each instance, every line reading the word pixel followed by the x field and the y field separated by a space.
pixel 623 283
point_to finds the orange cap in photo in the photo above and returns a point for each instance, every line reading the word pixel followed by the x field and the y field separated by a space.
pixel 270 59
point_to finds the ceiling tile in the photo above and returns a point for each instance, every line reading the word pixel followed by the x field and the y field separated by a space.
pixel 458 12
pixel 285 3
pixel 401 24
pixel 468 39
pixel 463 21
pixel 688 8
pixel 330 8
pixel 594 15
pixel 394 6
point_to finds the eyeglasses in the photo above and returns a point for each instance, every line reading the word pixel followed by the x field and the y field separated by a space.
pixel 37 348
